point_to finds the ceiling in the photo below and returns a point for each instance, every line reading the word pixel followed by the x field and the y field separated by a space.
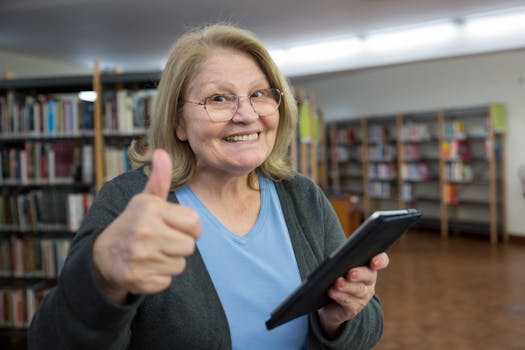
pixel 135 35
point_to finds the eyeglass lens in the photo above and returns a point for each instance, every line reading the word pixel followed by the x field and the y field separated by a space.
pixel 223 107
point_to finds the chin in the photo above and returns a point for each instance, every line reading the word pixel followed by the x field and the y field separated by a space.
pixel 244 169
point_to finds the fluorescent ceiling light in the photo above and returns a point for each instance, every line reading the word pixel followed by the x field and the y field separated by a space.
pixel 496 23
pixel 478 33
pixel 424 35
pixel 326 50
pixel 321 51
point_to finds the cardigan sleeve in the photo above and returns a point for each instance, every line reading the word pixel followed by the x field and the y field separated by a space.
pixel 316 232
pixel 364 330
pixel 76 313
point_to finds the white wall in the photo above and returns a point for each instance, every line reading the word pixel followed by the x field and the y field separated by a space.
pixel 24 66
pixel 454 82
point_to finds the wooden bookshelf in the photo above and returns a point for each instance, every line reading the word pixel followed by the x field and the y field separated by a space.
pixel 39 117
pixel 47 182
pixel 463 192
pixel 418 164
pixel 473 168
pixel 381 191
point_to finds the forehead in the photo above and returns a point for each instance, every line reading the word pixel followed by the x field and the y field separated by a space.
pixel 228 66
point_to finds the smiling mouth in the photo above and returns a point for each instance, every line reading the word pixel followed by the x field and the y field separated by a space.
pixel 241 138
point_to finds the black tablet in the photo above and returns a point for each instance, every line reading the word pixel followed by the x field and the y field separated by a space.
pixel 372 237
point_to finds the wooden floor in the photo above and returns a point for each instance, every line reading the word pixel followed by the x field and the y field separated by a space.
pixel 458 294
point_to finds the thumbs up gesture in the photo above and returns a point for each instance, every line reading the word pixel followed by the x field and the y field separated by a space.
pixel 148 242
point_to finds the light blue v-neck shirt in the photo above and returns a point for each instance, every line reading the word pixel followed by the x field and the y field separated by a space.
pixel 252 274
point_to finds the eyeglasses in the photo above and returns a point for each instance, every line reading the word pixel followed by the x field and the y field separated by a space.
pixel 222 107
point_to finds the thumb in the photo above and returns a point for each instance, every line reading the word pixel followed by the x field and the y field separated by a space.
pixel 159 181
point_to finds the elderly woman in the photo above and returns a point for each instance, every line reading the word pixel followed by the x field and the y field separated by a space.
pixel 195 247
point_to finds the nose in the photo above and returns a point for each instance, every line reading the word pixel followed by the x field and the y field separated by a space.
pixel 245 111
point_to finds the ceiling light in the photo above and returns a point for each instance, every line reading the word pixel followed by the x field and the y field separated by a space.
pixel 494 24
pixel 478 33
pixel 425 35
pixel 321 52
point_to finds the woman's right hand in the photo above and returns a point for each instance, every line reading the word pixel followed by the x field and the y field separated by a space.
pixel 147 244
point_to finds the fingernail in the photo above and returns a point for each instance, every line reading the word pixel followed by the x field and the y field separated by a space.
pixel 354 275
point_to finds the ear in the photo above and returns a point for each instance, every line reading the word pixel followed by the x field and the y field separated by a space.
pixel 181 131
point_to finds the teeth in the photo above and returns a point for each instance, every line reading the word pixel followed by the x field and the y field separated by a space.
pixel 237 138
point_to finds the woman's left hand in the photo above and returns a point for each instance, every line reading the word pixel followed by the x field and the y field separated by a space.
pixel 351 293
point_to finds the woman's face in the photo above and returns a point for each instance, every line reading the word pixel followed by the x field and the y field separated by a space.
pixel 237 146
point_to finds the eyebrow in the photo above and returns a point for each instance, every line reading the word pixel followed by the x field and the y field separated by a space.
pixel 221 83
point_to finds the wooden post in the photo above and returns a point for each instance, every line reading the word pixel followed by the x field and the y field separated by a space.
pixel 293 151
pixel 442 176
pixel 312 149
pixel 400 160
pixel 98 135
pixel 493 185
pixel 503 190
pixel 364 150
pixel 323 166
pixel 334 161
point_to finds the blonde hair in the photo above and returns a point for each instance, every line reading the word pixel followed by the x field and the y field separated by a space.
pixel 184 62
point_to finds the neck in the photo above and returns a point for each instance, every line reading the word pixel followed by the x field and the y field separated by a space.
pixel 222 187
pixel 232 200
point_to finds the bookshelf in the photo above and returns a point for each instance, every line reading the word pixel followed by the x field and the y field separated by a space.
pixel 47 178
pixel 418 164
pixel 345 160
pixel 125 109
pixel 449 163
pixel 380 164
pixel 473 170
pixel 55 152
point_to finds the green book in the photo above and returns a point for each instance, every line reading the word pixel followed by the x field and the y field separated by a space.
pixel 499 117
pixel 305 123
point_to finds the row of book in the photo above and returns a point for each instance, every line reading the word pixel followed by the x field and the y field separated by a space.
pixel 116 161
pixel 18 305
pixel 407 192
pixel 415 172
pixel 459 171
pixel 344 153
pixel 56 114
pixel 43 210
pixel 379 189
pixel 347 136
pixel 127 111
pixel 378 133
pixel 415 132
pixel 411 152
pixel 456 149
pixel 44 114
pixel 47 162
pixel 382 152
pixel 382 171
pixel 25 257
pixel 450 194
pixel 454 130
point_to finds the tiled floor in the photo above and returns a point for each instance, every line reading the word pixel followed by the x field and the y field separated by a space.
pixel 459 294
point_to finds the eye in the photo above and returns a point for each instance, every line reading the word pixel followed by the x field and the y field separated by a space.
pixel 259 93
pixel 219 99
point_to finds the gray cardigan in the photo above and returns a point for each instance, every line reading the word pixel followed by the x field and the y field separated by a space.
pixel 188 315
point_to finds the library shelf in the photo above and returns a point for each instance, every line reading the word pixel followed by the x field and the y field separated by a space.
pixel 54 153
pixel 449 163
